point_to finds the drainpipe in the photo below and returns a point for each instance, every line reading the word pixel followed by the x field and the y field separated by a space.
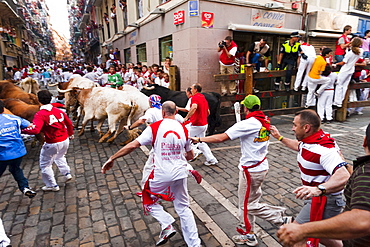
pixel 304 17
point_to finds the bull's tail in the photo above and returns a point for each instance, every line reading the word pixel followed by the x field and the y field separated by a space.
pixel 133 111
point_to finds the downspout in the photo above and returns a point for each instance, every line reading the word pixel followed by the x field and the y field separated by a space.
pixel 304 18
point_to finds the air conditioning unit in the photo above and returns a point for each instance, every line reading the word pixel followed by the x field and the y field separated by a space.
pixel 274 5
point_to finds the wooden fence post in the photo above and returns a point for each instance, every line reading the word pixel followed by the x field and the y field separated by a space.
pixel 248 84
pixel 341 114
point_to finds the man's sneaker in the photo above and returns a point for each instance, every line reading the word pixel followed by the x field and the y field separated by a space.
pixel 28 192
pixel 209 163
pixel 67 177
pixel 288 220
pixel 287 87
pixel 255 90
pixel 197 154
pixel 359 113
pixel 303 89
pixel 196 175
pixel 54 188
pixel 277 87
pixel 166 234
pixel 296 89
pixel 249 239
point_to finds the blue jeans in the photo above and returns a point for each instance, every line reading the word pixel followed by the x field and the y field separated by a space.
pixel 15 170
pixel 338 58
pixel 366 54
pixel 255 60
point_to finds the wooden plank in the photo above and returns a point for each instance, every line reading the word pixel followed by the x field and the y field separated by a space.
pixel 273 93
pixel 358 104
pixel 229 77
pixel 248 84
pixel 282 111
pixel 360 85
pixel 341 113
pixel 272 74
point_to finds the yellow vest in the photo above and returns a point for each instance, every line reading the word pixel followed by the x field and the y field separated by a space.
pixel 290 49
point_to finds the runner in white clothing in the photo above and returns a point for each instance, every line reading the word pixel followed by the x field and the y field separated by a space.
pixel 346 72
pixel 152 115
pixel 168 179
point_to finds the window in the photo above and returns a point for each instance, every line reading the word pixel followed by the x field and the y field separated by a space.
pixel 139 8
pixel 127 55
pixel 141 53
pixel 165 48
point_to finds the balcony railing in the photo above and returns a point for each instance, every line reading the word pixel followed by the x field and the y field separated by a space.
pixel 362 5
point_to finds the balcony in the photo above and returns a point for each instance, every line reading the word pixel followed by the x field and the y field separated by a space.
pixel 362 5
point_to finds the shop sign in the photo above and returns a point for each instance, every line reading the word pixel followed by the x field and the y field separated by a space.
pixel 207 19
pixel 179 17
pixel 262 18
pixel 194 8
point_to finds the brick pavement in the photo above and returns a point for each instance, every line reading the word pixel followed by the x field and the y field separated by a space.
pixel 102 210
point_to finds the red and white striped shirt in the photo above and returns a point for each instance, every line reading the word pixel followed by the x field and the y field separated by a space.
pixel 318 158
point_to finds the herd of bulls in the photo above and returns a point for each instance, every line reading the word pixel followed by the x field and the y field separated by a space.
pixel 85 98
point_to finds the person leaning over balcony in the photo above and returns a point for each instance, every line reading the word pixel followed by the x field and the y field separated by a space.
pixel 228 49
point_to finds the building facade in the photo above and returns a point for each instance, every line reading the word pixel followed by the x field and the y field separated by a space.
pixel 189 31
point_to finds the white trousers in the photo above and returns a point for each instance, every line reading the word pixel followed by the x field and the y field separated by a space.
pixel 341 89
pixel 149 165
pixel 312 84
pixel 200 131
pixel 179 189
pixel 4 240
pixel 304 65
pixel 50 153
pixel 273 214
pixel 325 105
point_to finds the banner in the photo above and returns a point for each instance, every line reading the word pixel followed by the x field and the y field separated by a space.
pixel 263 18
pixel 207 19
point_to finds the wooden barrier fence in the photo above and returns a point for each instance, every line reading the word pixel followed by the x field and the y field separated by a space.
pixel 249 77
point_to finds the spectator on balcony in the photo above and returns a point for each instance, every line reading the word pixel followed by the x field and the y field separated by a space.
pixel 366 44
pixel 342 44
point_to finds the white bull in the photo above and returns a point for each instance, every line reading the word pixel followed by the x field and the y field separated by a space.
pixel 75 82
pixel 29 85
pixel 123 107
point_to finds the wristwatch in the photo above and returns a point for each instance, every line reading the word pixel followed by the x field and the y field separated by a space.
pixel 322 188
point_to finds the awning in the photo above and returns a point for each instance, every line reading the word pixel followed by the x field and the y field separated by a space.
pixel 257 29
pixel 8 12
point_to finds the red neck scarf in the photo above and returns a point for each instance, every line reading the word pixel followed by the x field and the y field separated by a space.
pixel 320 138
pixel 260 116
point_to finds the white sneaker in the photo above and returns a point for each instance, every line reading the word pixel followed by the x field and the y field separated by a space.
pixel 28 192
pixel 54 188
pixel 209 163
pixel 249 239
pixel 197 154
pixel 166 234
pixel 67 177
pixel 360 113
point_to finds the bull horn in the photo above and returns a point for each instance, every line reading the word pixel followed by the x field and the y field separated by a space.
pixel 53 84
pixel 149 88
pixel 17 83
pixel 64 91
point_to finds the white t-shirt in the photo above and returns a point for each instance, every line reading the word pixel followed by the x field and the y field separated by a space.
pixel 169 147
pixel 350 60
pixel 188 105
pixel 253 148
pixel 308 50
pixel 153 115
pixel 91 76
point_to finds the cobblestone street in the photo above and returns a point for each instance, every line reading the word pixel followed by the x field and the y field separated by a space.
pixel 103 210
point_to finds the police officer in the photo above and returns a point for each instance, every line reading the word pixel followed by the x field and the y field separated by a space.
pixel 289 58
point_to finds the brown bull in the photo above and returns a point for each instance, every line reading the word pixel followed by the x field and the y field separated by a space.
pixel 23 110
pixel 8 90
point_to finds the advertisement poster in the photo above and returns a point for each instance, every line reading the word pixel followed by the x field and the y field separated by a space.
pixel 179 17
pixel 207 19
pixel 194 8
pixel 263 18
